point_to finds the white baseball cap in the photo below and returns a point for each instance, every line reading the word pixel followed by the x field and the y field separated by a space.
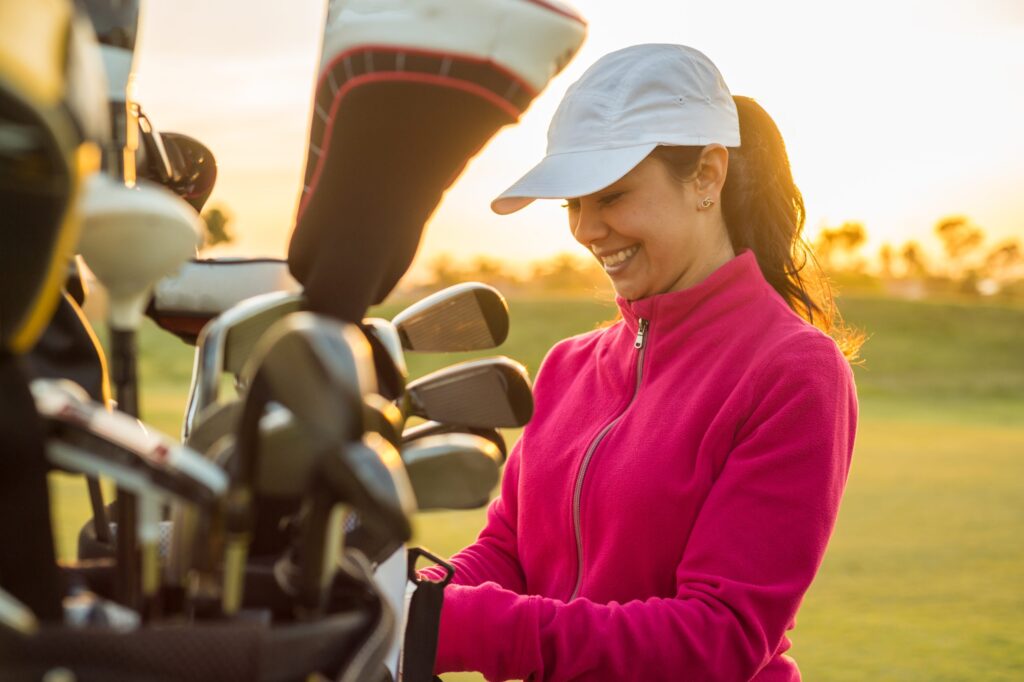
pixel 629 102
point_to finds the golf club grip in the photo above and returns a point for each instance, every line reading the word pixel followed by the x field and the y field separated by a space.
pixel 127 550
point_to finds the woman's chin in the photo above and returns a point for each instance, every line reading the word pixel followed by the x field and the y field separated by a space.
pixel 627 291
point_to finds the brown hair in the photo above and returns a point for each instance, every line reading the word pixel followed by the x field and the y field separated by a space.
pixel 764 212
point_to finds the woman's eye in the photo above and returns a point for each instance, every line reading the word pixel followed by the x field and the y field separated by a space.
pixel 610 199
pixel 571 204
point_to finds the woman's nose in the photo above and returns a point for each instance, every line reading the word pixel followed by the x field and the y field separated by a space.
pixel 586 224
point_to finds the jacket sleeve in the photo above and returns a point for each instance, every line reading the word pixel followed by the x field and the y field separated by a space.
pixel 755 547
pixel 494 556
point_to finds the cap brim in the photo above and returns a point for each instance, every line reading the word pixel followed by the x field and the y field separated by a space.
pixel 572 174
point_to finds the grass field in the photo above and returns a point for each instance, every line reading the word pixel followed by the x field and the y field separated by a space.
pixel 924 578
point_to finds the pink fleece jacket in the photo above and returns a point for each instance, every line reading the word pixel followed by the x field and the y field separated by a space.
pixel 670 502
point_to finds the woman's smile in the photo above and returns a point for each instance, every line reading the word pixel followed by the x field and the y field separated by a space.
pixel 614 262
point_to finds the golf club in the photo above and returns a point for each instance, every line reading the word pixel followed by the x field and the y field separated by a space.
pixel 226 343
pixel 83 436
pixel 132 236
pixel 463 317
pixel 452 470
pixel 319 370
pixel 432 428
pixel 487 393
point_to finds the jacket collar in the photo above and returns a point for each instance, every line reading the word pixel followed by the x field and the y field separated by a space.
pixel 737 281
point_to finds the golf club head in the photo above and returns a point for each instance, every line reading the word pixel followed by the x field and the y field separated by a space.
pixel 226 343
pixel 383 416
pixel 132 237
pixel 85 437
pixel 194 168
pixel 319 369
pixel 388 356
pixel 463 317
pixel 369 476
pixel 432 428
pixel 288 457
pixel 452 470
pixel 486 393
pixel 217 421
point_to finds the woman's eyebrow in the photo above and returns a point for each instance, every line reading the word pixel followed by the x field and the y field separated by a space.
pixel 611 191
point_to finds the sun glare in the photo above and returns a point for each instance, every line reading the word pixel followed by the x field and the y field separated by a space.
pixel 892 123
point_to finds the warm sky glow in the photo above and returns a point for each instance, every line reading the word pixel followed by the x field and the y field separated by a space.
pixel 895 112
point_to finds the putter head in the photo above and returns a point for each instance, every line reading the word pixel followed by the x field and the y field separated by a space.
pixel 452 470
pixel 132 237
pixel 463 317
pixel 432 428
pixel 487 393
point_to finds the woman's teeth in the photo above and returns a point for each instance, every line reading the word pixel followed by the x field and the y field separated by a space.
pixel 619 257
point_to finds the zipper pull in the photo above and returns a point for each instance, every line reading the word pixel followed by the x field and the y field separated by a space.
pixel 641 334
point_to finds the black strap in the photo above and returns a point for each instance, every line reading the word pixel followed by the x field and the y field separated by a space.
pixel 420 648
pixel 28 567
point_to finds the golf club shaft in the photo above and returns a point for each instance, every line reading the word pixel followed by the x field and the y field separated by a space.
pixel 100 522
pixel 123 354
pixel 123 371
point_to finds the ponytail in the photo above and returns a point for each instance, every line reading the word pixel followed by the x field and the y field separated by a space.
pixel 764 212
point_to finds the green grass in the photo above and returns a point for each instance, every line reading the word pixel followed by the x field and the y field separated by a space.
pixel 924 578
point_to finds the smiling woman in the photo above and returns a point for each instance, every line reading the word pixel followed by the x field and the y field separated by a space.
pixel 682 473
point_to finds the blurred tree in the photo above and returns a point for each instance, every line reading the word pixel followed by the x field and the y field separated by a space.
pixel 445 272
pixel 566 273
pixel 216 219
pixel 836 248
pixel 914 264
pixel 885 261
pixel 960 240
pixel 486 269
pixel 1004 260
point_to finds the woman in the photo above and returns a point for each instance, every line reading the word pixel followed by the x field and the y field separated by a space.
pixel 667 508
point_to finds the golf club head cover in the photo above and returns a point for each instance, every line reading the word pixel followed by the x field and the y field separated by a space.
pixel 408 92
pixel 203 288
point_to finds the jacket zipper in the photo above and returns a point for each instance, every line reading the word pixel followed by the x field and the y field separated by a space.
pixel 640 344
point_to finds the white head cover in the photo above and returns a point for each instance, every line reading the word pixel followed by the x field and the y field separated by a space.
pixel 625 105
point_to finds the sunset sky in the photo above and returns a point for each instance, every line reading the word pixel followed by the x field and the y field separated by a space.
pixel 895 112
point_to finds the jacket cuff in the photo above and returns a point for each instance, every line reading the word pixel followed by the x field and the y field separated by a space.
pixel 487 629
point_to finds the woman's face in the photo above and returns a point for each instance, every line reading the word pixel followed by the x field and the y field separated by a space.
pixel 647 232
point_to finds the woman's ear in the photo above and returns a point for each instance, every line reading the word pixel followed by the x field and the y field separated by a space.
pixel 712 169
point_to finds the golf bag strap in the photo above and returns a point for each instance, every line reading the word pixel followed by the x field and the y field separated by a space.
pixel 420 647
pixel 28 567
